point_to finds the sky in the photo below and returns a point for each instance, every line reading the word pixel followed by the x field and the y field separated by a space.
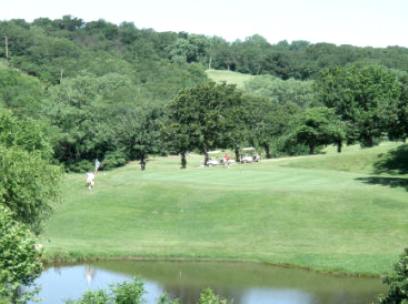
pixel 377 23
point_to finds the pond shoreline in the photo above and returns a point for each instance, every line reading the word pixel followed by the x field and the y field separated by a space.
pixel 74 258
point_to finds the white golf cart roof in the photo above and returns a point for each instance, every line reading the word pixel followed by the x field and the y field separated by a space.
pixel 215 152
pixel 248 149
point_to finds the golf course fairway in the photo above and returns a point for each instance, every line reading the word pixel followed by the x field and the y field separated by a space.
pixel 325 212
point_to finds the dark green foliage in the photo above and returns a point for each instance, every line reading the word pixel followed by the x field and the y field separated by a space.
pixel 21 93
pixel 366 97
pixel 24 133
pixel 138 134
pixel 80 166
pixel 394 162
pixel 28 185
pixel 397 283
pixel 20 262
pixel 267 122
pixel 165 299
pixel 207 116
pixel 113 160
pixel 317 127
pixel 398 128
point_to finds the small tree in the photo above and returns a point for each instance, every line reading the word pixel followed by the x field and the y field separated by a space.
pixel 397 282
pixel 20 262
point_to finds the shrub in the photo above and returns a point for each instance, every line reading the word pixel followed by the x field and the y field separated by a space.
pixel 397 283
pixel 81 166
pixel 128 293
pixel 20 262
pixel 207 296
pixel 114 160
pixel 165 299
pixel 28 185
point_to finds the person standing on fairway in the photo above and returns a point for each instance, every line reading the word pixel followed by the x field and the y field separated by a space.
pixel 90 176
pixel 90 180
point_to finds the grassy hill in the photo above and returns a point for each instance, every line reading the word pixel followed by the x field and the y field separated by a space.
pixel 230 77
pixel 325 212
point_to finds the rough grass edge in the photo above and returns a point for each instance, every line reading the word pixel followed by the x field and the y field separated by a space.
pixel 60 258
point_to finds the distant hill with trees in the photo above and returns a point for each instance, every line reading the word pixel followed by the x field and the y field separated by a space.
pixel 102 90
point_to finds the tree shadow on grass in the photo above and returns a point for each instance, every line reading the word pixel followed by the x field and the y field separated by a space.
pixel 393 182
pixel 393 162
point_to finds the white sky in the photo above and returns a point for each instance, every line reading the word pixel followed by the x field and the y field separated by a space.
pixel 359 22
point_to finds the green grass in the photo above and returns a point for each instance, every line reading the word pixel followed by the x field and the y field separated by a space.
pixel 324 212
pixel 229 77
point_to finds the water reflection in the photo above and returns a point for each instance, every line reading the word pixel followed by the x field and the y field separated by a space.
pixel 244 283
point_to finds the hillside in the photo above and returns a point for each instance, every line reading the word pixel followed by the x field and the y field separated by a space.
pixel 329 215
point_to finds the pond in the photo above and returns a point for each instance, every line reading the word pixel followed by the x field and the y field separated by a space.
pixel 245 283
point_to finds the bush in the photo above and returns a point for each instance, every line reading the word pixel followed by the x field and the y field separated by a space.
pixel 20 262
pixel 397 283
pixel 28 185
pixel 122 293
pixel 128 293
pixel 165 299
pixel 207 296
pixel 81 166
pixel 114 160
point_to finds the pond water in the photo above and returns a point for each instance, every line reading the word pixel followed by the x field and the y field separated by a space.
pixel 244 283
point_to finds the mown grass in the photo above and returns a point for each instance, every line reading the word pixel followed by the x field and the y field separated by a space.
pixel 321 212
pixel 229 77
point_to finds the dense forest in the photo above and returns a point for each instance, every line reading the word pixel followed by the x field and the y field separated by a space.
pixel 100 90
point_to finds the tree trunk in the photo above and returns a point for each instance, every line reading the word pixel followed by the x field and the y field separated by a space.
pixel 370 141
pixel 206 158
pixel 339 146
pixel 267 151
pixel 183 160
pixel 6 47
pixel 142 163
pixel 209 63
pixel 237 155
pixel 311 149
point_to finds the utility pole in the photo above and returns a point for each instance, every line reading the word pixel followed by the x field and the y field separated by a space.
pixel 61 74
pixel 6 47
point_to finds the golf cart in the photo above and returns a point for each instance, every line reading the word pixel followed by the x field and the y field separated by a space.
pixel 249 155
pixel 216 158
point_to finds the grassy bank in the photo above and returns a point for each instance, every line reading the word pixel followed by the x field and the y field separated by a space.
pixel 324 212
pixel 239 79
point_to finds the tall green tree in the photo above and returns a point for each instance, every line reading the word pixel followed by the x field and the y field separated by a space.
pixel 366 97
pixel 268 121
pixel 210 111
pixel 398 128
pixel 138 134
pixel 318 127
